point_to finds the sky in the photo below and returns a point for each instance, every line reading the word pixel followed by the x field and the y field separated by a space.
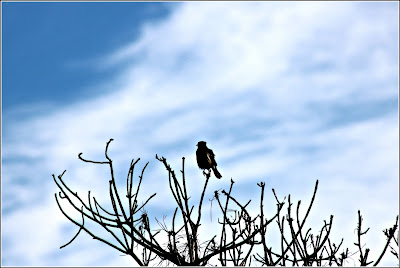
pixel 283 92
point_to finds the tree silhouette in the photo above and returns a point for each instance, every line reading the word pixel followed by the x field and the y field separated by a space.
pixel 239 240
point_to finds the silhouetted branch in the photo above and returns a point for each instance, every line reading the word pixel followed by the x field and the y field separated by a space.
pixel 240 234
pixel 389 235
pixel 363 256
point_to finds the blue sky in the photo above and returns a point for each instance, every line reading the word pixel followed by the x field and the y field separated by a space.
pixel 35 33
pixel 285 93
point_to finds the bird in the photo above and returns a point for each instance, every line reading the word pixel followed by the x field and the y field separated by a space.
pixel 206 158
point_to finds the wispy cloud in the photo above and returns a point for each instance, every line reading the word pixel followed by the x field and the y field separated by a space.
pixel 283 92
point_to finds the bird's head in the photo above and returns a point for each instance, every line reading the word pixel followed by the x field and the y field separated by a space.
pixel 201 143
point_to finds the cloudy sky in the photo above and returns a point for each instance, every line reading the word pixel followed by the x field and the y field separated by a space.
pixel 285 93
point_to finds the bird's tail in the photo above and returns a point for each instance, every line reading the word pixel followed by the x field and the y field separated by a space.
pixel 216 173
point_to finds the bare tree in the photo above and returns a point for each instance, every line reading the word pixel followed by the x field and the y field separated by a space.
pixel 239 240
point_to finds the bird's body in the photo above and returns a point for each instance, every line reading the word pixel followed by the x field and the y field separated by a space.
pixel 206 158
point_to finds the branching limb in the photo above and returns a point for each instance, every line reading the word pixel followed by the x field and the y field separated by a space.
pixel 389 235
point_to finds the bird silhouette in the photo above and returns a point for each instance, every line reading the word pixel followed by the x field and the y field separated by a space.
pixel 206 158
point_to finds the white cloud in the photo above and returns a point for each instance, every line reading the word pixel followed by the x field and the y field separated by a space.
pixel 263 83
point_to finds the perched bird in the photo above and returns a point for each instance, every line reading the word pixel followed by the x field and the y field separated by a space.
pixel 206 158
